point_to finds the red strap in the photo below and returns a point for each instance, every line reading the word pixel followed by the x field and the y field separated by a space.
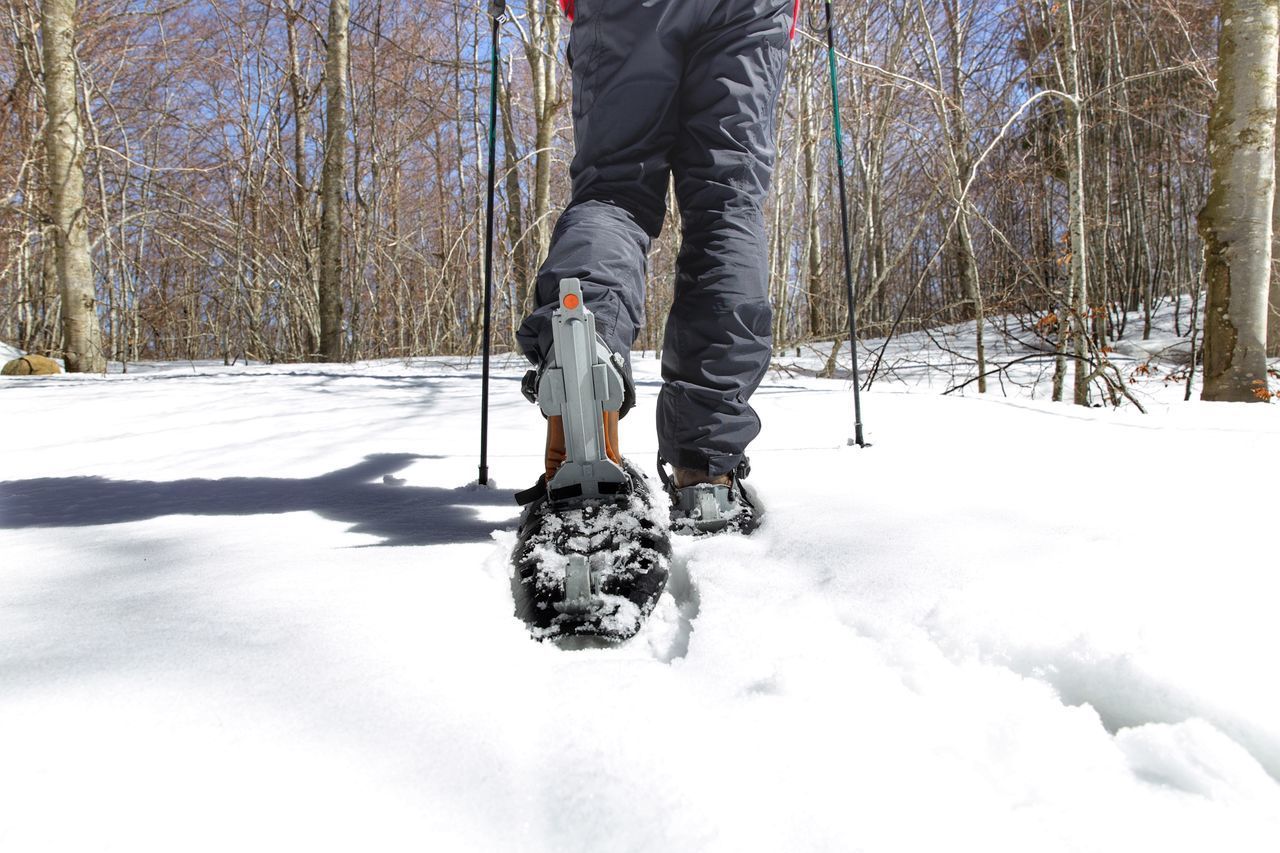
pixel 567 7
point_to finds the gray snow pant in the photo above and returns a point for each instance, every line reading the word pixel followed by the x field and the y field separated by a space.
pixel 683 87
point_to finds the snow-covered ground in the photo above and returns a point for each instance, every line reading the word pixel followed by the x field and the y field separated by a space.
pixel 257 608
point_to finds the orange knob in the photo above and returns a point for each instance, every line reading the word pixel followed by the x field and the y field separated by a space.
pixel 571 301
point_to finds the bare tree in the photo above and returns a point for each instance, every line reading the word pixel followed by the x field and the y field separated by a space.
pixel 300 99
pixel 64 148
pixel 331 181
pixel 538 28
pixel 950 75
pixel 1273 309
pixel 1236 221
pixel 1073 147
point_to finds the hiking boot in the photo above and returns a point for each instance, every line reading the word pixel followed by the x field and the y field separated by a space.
pixel 556 453
pixel 703 503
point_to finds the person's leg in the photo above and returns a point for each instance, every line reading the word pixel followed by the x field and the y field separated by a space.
pixel 719 333
pixel 627 60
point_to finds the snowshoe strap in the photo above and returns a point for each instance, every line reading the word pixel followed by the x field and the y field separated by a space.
pixel 740 472
pixel 628 384
pixel 531 494
pixel 532 377
pixel 540 490
pixel 529 385
pixel 565 493
pixel 668 485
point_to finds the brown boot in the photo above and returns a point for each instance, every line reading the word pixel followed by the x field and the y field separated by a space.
pixel 693 477
pixel 556 453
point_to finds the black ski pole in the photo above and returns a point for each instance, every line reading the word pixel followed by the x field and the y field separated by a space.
pixel 497 11
pixel 844 226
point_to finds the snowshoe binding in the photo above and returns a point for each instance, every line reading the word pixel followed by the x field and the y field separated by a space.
pixel 706 508
pixel 593 552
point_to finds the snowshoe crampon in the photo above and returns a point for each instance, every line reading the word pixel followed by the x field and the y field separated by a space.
pixel 709 508
pixel 590 566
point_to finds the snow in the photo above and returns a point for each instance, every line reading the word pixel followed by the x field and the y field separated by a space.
pixel 259 608
pixel 8 353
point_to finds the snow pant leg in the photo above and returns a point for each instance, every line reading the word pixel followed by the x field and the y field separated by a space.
pixel 601 245
pixel 719 333
pixel 627 64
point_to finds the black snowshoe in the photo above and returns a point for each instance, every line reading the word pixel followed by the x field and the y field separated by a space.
pixel 590 566
pixel 593 552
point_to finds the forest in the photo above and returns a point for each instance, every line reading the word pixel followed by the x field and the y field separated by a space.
pixel 295 180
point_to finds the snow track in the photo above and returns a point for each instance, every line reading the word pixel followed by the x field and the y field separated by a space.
pixel 255 608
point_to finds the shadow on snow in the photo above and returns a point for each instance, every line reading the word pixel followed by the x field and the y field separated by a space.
pixel 358 495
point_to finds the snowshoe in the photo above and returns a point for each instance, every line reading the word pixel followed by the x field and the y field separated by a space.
pixel 593 553
pixel 706 508
pixel 590 566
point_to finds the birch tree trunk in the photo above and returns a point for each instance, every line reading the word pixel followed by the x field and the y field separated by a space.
pixel 1079 298
pixel 956 122
pixel 64 149
pixel 1273 310
pixel 331 181
pixel 1236 220
pixel 808 129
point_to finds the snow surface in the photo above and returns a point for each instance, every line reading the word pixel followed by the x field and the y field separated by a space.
pixel 259 608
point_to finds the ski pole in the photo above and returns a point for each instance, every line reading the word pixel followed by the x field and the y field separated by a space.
pixel 497 11
pixel 844 226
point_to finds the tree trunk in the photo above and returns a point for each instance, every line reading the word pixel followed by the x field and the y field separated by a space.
pixel 46 341
pixel 524 262
pixel 1079 290
pixel 331 181
pixel 64 146
pixel 540 52
pixel 1236 220
pixel 301 196
pixel 959 137
pixel 808 126
pixel 968 263
pixel 1273 312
